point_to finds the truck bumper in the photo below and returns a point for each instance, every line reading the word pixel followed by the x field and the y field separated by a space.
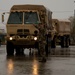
pixel 25 43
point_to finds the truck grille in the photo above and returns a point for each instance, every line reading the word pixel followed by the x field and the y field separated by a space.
pixel 20 31
pixel 23 31
pixel 26 31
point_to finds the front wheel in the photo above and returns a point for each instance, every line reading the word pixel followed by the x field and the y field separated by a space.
pixel 67 41
pixel 19 51
pixel 9 48
pixel 62 41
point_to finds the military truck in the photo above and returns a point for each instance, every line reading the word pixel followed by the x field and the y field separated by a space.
pixel 27 27
pixel 63 31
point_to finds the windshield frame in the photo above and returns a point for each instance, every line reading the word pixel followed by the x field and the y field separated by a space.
pixel 23 13
pixel 32 14
pixel 18 17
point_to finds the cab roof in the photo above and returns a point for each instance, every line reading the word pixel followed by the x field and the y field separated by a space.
pixel 28 7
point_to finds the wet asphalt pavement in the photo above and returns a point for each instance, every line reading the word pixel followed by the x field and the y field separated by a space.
pixel 61 61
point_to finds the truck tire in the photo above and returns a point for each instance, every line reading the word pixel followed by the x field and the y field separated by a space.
pixel 53 45
pixel 62 41
pixel 39 51
pixel 19 51
pixel 38 48
pixel 46 50
pixel 53 42
pixel 67 41
pixel 9 48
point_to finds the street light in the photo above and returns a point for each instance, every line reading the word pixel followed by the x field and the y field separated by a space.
pixel 74 11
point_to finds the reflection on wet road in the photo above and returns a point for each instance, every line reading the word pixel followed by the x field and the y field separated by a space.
pixel 10 67
pixel 61 61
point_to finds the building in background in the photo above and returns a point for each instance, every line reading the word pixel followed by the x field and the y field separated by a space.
pixel 2 36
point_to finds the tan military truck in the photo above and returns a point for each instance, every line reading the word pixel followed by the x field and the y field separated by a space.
pixel 27 27
pixel 63 31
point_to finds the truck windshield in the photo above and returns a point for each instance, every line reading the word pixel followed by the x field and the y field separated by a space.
pixel 31 18
pixel 15 18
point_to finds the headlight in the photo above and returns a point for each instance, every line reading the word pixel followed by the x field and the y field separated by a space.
pixel 10 38
pixel 35 38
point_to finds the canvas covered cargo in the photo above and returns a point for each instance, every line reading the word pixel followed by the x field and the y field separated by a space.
pixel 62 26
pixel 63 31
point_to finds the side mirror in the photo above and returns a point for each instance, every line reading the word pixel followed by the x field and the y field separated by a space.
pixel 3 17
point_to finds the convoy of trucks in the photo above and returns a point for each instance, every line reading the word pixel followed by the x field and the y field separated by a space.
pixel 32 26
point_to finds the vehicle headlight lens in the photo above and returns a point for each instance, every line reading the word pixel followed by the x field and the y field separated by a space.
pixel 35 38
pixel 10 38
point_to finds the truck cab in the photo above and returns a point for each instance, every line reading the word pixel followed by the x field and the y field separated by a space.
pixel 26 26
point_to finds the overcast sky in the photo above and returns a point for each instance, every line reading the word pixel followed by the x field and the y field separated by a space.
pixel 62 9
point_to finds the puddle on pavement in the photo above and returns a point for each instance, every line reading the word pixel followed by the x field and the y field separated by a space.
pixel 59 62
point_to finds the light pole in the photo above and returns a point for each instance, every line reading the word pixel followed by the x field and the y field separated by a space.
pixel 74 11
